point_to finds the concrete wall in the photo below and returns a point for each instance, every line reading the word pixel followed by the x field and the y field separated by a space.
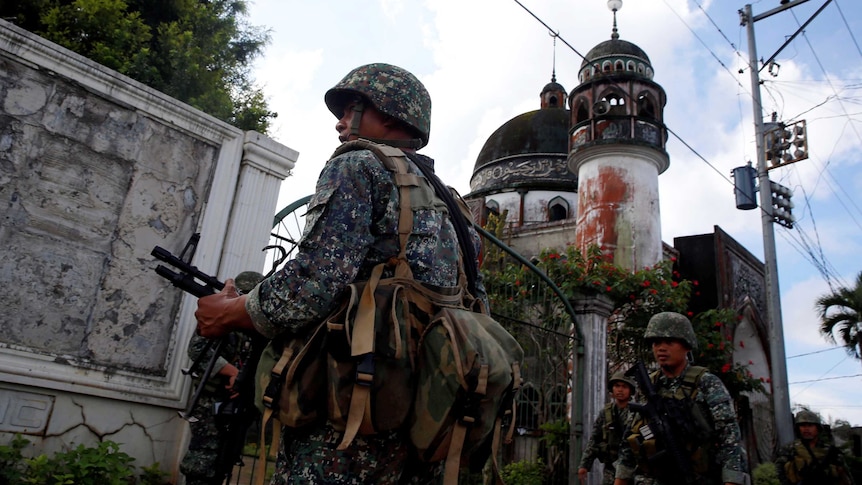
pixel 96 170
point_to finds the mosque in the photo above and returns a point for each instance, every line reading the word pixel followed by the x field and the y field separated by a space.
pixel 583 170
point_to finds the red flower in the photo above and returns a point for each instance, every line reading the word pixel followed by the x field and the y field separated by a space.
pixel 741 344
pixel 768 380
pixel 718 324
pixel 690 314
pixel 645 283
pixel 653 291
pixel 709 346
pixel 694 282
pixel 750 362
pixel 725 368
pixel 674 284
pixel 673 259
pixel 608 288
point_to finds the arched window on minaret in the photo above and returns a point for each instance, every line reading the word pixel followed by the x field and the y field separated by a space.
pixel 558 209
pixel 581 112
pixel 606 67
pixel 616 102
pixel 646 106
pixel 619 67
pixel 630 66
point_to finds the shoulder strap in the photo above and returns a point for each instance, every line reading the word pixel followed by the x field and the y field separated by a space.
pixel 392 158
pixel 459 220
pixel 691 379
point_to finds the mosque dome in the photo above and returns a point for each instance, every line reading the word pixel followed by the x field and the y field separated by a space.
pixel 527 152
pixel 615 56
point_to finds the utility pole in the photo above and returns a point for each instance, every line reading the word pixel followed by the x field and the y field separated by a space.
pixel 780 397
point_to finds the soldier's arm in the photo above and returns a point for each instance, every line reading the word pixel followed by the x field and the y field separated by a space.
pixel 728 442
pixel 781 460
pixel 626 464
pixel 592 447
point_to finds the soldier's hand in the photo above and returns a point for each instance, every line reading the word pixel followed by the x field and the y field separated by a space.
pixel 223 312
pixel 230 372
pixel 582 475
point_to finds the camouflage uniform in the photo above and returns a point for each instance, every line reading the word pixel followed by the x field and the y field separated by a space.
pixel 351 226
pixel 710 412
pixel 813 462
pixel 605 440
pixel 201 462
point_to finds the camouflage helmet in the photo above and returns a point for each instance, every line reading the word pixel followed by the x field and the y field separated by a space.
pixel 671 325
pixel 621 377
pixel 807 417
pixel 391 90
pixel 247 280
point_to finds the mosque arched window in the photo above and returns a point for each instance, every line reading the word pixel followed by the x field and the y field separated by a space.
pixel 646 106
pixel 630 66
pixel 641 68
pixel 491 207
pixel 558 209
pixel 581 113
pixel 649 72
pixel 606 67
pixel 618 66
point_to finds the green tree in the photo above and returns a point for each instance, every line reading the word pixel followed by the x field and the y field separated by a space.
pixel 840 314
pixel 198 52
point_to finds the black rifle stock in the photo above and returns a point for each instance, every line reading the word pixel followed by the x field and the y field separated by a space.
pixel 657 415
pixel 233 416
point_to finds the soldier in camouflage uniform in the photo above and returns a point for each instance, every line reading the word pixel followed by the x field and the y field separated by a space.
pixel 712 441
pixel 607 433
pixel 201 465
pixel 812 458
pixel 351 226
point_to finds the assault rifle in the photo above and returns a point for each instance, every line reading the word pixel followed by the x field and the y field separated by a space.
pixel 660 419
pixel 234 416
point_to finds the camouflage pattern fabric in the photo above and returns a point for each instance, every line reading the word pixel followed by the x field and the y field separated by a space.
pixel 351 226
pixel 796 466
pixel 200 461
pixel 671 325
pixel 727 453
pixel 391 90
pixel 597 444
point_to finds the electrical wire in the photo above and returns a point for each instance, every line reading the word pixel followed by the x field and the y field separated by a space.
pixel 815 352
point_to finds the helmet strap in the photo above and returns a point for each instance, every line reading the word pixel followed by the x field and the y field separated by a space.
pixel 414 143
pixel 358 108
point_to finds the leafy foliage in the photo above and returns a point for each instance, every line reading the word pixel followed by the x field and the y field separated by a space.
pixel 635 296
pixel 765 474
pixel 197 52
pixel 103 464
pixel 840 314
pixel 524 473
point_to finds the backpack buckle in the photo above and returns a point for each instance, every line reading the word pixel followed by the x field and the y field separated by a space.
pixel 365 370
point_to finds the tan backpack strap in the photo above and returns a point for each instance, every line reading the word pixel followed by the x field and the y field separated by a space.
pixel 362 346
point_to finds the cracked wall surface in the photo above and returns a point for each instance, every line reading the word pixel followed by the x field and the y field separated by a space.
pixel 95 171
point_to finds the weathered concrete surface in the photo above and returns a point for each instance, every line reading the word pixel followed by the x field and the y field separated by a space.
pixel 96 170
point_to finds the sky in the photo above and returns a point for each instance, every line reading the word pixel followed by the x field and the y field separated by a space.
pixel 485 62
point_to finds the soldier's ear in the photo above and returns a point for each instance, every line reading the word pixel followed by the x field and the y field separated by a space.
pixel 689 356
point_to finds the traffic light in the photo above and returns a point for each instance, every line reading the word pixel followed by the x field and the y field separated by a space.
pixel 781 205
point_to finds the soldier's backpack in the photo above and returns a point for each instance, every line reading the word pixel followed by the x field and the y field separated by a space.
pixel 400 354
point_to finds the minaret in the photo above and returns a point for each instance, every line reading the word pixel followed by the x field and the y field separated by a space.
pixel 617 150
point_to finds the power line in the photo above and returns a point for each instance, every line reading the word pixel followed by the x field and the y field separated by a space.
pixel 815 352
pixel 824 379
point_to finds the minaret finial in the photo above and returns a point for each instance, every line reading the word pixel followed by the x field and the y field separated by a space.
pixel 615 5
pixel 554 63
